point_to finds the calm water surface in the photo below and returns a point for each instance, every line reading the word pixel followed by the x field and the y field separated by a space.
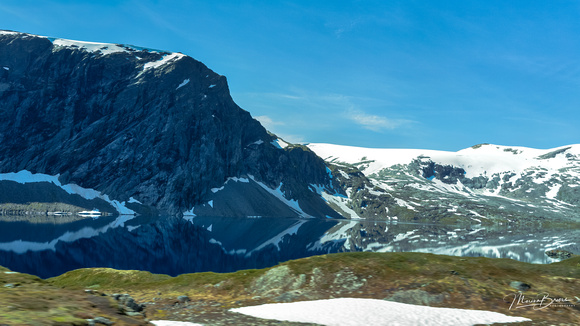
pixel 171 245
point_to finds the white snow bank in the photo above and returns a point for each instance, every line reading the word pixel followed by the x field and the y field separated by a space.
pixel 166 59
pixel 293 204
pixel 279 143
pixel 104 48
pixel 73 189
pixel 354 311
pixel 173 323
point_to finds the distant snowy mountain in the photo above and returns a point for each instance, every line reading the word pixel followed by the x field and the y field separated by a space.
pixel 123 128
pixel 480 184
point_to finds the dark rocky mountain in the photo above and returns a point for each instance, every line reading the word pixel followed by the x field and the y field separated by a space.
pixel 146 129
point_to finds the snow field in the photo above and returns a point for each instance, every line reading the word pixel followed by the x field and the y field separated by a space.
pixel 483 160
pixel 173 323
pixel 355 312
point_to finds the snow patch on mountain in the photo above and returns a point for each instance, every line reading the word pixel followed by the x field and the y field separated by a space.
pixel 279 143
pixel 2 32
pixel 497 183
pixel 165 60
pixel 293 204
pixel 234 179
pixel 476 160
pixel 103 48
pixel 183 83
pixel 25 176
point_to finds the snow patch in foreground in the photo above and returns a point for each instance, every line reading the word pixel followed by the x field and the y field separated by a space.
pixel 173 323
pixel 353 311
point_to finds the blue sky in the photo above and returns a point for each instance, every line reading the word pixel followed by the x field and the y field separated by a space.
pixel 400 74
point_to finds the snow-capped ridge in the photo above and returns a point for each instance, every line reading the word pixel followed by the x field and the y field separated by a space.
pixel 106 48
pixel 485 159
pixel 103 48
pixel 484 182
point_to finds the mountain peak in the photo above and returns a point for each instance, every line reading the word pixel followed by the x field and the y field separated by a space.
pixel 96 47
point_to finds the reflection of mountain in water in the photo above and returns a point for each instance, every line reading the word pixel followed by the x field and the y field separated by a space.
pixel 175 246
pixel 169 246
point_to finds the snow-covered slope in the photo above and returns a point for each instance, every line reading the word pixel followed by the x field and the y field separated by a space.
pixel 485 159
pixel 481 182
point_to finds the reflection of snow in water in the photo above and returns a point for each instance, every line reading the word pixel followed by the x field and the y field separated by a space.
pixel 445 240
pixel 296 238
pixel 22 246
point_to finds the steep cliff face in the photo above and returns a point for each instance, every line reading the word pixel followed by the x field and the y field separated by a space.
pixel 156 126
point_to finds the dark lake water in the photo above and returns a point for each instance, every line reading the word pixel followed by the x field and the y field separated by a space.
pixel 172 245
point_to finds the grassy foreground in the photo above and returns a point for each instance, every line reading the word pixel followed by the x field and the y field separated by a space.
pixel 417 278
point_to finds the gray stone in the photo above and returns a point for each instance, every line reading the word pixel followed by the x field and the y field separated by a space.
pixel 289 296
pixel 520 286
pixel 102 320
pixel 418 297
pixel 127 303
pixel 183 299
pixel 559 254
pixel 346 281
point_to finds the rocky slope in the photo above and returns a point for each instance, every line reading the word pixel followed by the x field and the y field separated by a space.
pixel 128 125
pixel 479 185
pixel 412 278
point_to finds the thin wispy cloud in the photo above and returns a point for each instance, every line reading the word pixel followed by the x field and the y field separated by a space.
pixel 304 104
pixel 271 125
pixel 13 12
pixel 150 13
pixel 268 123
pixel 374 122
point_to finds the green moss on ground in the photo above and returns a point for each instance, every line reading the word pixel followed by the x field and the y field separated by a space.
pixel 459 282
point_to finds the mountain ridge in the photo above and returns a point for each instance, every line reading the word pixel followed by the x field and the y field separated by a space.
pixel 485 182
